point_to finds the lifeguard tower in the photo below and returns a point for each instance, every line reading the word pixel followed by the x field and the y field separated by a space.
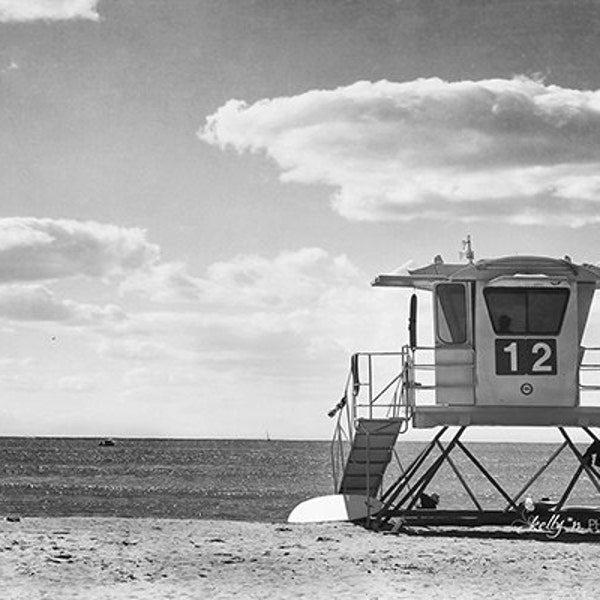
pixel 507 351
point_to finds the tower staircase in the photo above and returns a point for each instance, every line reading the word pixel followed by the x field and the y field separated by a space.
pixel 370 453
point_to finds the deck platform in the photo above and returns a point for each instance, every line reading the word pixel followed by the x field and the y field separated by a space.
pixel 567 416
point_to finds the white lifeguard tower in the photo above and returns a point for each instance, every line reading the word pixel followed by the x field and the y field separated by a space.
pixel 507 352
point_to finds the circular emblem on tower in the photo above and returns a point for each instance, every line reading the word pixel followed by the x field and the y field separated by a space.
pixel 526 389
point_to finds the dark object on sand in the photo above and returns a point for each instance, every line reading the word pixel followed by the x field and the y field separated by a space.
pixel 427 501
pixel 12 518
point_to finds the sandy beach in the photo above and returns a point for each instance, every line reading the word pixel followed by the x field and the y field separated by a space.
pixel 158 558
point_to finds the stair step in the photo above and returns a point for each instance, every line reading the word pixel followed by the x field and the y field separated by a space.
pixel 373 442
pixel 359 490
pixel 379 426
pixel 361 475
pixel 354 469
pixel 374 456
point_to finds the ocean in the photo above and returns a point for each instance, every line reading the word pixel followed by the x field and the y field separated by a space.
pixel 251 480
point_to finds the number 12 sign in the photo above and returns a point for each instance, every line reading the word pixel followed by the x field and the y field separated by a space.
pixel 525 357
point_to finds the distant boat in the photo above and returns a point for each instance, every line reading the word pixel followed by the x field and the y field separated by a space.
pixel 107 442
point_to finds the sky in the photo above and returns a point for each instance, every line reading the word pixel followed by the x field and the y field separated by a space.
pixel 196 195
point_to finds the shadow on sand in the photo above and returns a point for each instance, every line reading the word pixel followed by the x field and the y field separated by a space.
pixel 501 533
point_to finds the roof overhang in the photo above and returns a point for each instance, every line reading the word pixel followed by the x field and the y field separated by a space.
pixel 485 270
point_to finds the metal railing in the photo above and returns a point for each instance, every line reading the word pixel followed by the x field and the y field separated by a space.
pixel 388 400
pixel 365 397
pixel 589 367
pixel 342 435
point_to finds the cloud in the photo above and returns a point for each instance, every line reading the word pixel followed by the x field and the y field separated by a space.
pixel 10 66
pixel 266 314
pixel 516 150
pixel 12 364
pixel 76 383
pixel 38 303
pixel 42 249
pixel 292 278
pixel 277 328
pixel 53 10
pixel 134 348
pixel 163 282
pixel 152 377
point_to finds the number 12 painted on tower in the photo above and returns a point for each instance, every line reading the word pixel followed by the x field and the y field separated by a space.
pixel 525 357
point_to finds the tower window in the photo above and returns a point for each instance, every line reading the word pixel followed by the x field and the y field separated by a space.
pixel 451 313
pixel 526 311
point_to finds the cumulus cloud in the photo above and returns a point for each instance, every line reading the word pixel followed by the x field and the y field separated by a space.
pixel 262 313
pixel 292 278
pixel 163 282
pixel 53 10
pixel 514 150
pixel 38 303
pixel 41 249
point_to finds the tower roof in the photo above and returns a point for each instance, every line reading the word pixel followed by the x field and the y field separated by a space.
pixel 487 269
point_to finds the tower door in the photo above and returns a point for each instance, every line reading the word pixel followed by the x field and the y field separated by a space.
pixel 454 355
pixel 527 342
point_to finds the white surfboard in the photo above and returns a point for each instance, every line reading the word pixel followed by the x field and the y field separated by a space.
pixel 337 507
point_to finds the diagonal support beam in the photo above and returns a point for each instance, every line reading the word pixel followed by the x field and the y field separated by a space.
pixel 403 481
pixel 591 434
pixel 537 475
pixel 487 475
pixel 392 504
pixel 426 478
pixel 569 489
pixel 461 479
pixel 583 466
pixel 583 460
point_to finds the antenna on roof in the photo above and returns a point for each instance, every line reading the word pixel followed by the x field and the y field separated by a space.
pixel 467 250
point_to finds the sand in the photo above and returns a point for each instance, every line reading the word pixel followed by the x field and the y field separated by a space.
pixel 158 558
